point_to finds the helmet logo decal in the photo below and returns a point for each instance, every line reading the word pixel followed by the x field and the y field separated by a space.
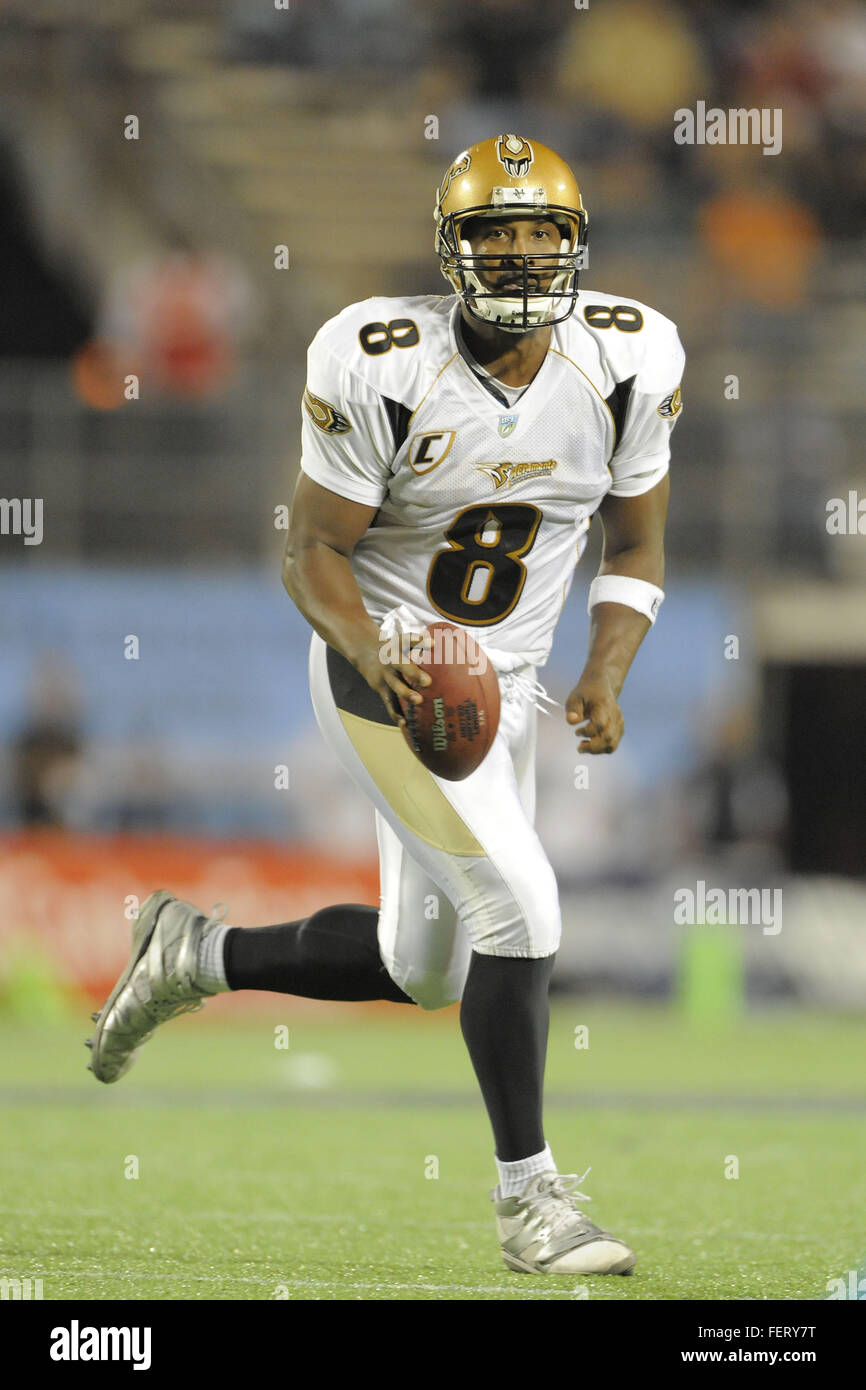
pixel 515 155
pixel 457 168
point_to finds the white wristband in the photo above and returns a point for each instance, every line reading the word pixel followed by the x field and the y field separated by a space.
pixel 634 593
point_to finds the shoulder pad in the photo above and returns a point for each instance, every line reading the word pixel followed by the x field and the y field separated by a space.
pixel 389 342
pixel 631 336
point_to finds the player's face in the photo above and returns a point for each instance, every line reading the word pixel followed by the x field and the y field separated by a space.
pixel 511 239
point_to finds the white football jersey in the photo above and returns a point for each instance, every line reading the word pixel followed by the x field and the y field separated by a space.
pixel 483 506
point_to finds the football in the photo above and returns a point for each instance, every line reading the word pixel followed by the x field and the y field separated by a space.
pixel 454 726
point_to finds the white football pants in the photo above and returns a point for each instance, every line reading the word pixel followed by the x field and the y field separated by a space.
pixel 461 867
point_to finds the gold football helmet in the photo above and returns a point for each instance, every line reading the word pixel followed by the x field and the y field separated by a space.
pixel 503 178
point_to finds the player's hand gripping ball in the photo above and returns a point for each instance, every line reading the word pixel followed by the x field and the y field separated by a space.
pixel 451 730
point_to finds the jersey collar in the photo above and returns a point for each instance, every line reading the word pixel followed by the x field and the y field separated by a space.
pixel 489 383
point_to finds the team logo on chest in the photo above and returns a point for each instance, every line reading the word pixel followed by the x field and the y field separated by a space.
pixel 506 425
pixel 508 474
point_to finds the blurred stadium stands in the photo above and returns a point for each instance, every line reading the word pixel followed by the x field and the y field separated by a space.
pixel 309 128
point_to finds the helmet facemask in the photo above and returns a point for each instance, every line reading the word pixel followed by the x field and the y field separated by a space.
pixel 526 309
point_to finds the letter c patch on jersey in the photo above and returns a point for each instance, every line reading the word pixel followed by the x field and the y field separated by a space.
pixel 428 449
pixel 325 416
pixel 671 405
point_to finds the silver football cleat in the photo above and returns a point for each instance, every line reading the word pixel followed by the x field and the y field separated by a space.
pixel 542 1231
pixel 157 984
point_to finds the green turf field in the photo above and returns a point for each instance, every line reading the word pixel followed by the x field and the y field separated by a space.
pixel 302 1173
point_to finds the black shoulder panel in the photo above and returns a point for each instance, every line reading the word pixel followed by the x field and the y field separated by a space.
pixel 398 418
pixel 617 402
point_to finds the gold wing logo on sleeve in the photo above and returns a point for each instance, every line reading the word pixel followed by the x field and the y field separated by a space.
pixel 325 416
pixel 671 405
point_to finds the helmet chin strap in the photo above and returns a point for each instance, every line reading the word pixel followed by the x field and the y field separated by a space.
pixel 501 313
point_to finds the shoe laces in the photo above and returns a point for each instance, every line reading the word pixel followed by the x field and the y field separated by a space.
pixel 557 1200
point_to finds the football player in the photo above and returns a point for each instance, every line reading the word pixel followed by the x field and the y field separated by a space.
pixel 454 451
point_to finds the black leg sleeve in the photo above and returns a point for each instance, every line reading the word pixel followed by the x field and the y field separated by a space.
pixel 334 954
pixel 504 1018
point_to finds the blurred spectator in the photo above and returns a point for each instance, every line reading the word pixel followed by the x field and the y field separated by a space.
pixel 837 30
pixel 763 243
pixel 810 62
pixel 593 817
pixel 491 69
pixel 264 34
pixel 331 35
pixel 635 61
pixel 184 317
pixel 734 805
pixel 46 750
pixel 777 63
pixel 506 45
pixel 41 314
pixel 145 795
